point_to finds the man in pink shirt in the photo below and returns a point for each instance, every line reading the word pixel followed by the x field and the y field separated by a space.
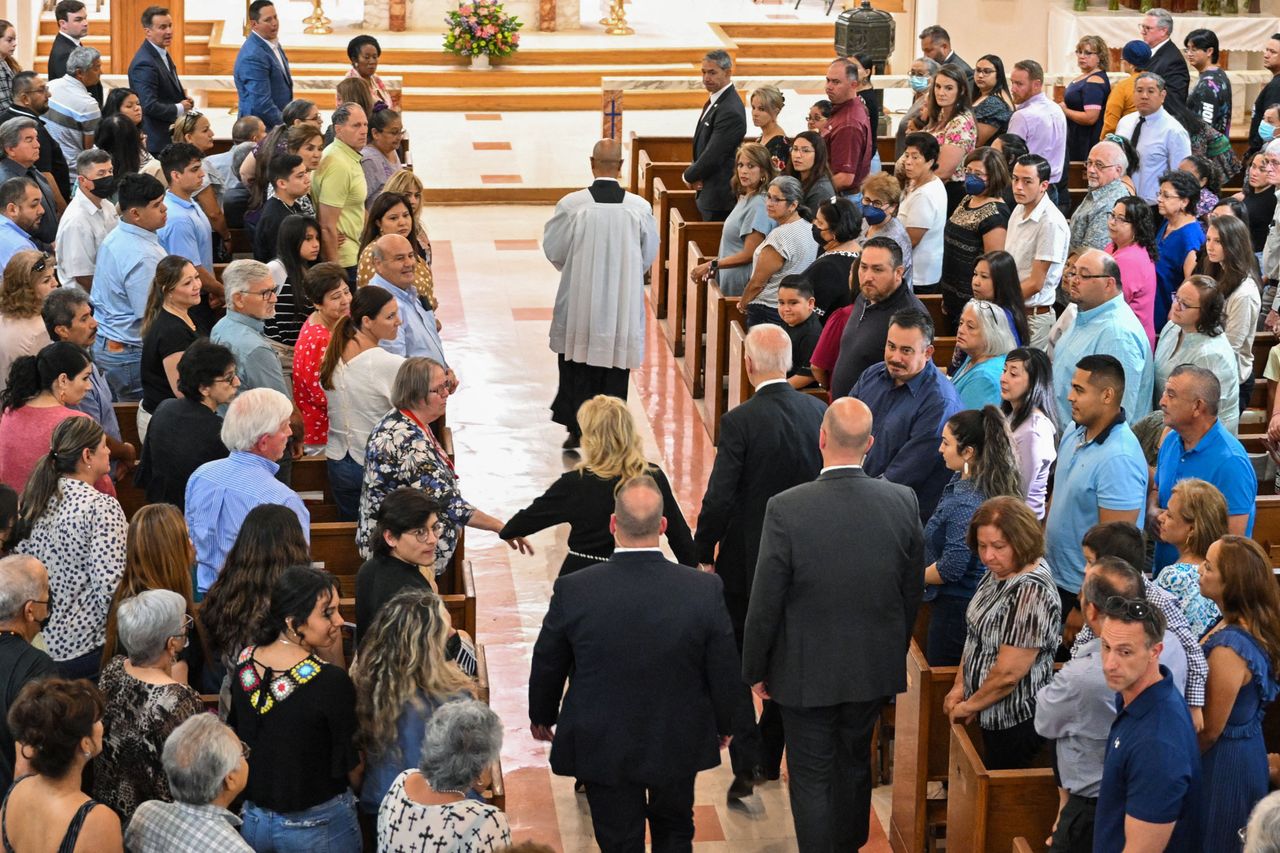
pixel 1038 120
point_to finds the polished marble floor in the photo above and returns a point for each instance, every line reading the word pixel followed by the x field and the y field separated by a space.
pixel 496 291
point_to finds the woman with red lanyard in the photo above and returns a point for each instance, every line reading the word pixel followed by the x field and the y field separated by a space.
pixel 403 451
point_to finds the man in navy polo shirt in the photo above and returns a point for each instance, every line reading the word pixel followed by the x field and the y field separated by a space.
pixel 1150 794
pixel 1199 446
pixel 1101 474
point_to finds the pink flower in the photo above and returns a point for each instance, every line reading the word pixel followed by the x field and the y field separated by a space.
pixel 464 9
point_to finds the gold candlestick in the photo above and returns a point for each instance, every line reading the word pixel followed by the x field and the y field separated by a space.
pixel 317 23
pixel 617 23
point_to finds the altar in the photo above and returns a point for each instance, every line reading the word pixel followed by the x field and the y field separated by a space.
pixel 428 16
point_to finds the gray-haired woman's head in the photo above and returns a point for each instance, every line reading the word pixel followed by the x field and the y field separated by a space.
pixel 1263 833
pixel 463 740
pixel 789 188
pixel 198 755
pixel 147 622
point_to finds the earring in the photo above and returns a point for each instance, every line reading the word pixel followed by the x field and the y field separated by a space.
pixel 966 469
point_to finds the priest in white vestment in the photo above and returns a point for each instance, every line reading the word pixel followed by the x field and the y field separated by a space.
pixel 603 240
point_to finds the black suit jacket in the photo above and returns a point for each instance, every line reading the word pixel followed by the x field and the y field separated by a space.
pixel 1171 65
pixel 51 159
pixel 62 47
pixel 954 59
pixel 653 671
pixel 836 591
pixel 159 92
pixel 715 141
pixel 767 445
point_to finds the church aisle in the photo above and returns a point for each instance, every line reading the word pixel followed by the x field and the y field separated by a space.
pixel 496 292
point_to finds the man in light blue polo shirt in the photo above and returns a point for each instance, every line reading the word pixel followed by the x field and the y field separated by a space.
pixel 1199 446
pixel 187 233
pixel 22 209
pixel 1101 474
pixel 1105 323
pixel 126 266
pixel 394 261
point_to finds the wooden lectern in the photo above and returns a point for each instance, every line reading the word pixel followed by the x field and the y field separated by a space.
pixel 126 33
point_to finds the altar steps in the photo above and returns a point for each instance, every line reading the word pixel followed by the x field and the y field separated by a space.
pixel 536 78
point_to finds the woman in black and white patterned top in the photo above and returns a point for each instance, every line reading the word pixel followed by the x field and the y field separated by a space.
pixel 79 534
pixel 430 808
pixel 1014 626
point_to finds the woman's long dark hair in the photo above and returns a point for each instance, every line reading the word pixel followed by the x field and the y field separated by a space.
pixel 271 145
pixel 293 231
pixel 1006 289
pixel 1039 389
pixel 383 203
pixel 1143 221
pixel 119 136
pixel 368 303
pixel 32 374
pixel 270 540
pixel 1238 262
pixel 821 161
pixel 70 439
pixel 115 99
pixel 1001 88
pixel 995 466
pixel 293 596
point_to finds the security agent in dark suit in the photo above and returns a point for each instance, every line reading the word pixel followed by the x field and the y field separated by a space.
pixel 721 128
pixel 73 25
pixel 935 43
pixel 154 78
pixel 767 445
pixel 648 651
pixel 1167 59
pixel 830 620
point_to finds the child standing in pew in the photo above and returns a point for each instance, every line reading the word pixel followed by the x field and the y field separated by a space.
pixel 795 306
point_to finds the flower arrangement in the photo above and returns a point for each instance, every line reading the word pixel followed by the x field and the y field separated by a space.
pixel 482 27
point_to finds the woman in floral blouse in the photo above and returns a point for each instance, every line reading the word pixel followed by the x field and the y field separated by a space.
pixel 403 451
pixel 948 115
pixel 1195 519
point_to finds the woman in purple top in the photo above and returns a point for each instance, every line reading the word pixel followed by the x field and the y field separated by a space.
pixel 1026 389
pixel 1133 245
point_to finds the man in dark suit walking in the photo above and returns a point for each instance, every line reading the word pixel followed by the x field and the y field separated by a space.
pixel 935 43
pixel 829 624
pixel 720 130
pixel 1167 59
pixel 154 78
pixel 73 26
pixel 648 651
pixel 767 445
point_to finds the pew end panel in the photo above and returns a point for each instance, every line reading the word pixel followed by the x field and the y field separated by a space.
pixel 682 229
pixel 920 752
pixel 695 322
pixel 671 148
pixel 721 311
pixel 482 674
pixel 987 809
pixel 740 389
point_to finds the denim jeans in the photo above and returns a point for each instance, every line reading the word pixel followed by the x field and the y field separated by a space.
pixel 758 312
pixel 122 369
pixel 345 479
pixel 330 827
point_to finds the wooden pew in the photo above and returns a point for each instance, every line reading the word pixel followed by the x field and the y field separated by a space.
pixel 665 198
pixel 944 349
pixel 333 548
pixel 1266 526
pixel 127 415
pixel 1021 845
pixel 482 674
pixel 695 319
pixel 740 389
pixel 987 809
pixel 721 311
pixel 664 148
pixel 920 753
pixel 671 173
pixel 942 324
pixel 684 226
pixel 462 604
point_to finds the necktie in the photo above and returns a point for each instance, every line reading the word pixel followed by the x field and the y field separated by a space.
pixel 1137 131
pixel 705 107
pixel 173 69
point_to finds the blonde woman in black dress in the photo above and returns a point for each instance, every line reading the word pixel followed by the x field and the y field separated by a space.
pixel 583 497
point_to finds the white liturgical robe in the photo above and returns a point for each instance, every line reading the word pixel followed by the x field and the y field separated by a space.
pixel 602 251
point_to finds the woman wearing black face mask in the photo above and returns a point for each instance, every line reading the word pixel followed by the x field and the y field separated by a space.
pixel 835 229
pixel 977 225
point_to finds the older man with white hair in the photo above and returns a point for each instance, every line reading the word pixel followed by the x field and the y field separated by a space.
pixel 767 445
pixel 24 609
pixel 207 767
pixel 74 114
pixel 1104 171
pixel 221 493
